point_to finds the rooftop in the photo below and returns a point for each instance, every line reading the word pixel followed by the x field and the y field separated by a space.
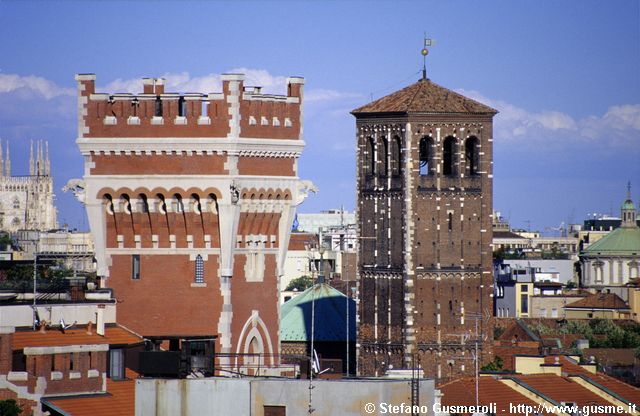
pixel 600 301
pixel 330 315
pixel 114 335
pixel 425 96
pixel 562 389
pixel 119 400
pixel 619 241
pixel 462 392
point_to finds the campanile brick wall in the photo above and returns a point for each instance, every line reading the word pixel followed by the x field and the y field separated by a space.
pixel 425 231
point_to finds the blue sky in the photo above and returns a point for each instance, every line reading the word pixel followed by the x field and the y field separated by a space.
pixel 565 76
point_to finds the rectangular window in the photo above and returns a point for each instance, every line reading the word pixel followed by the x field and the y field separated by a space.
pixel 135 266
pixel 116 364
pixel 524 303
pixel 275 410
pixel 525 288
pixel 543 313
pixel 554 313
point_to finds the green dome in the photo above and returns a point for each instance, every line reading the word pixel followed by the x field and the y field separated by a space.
pixel 628 204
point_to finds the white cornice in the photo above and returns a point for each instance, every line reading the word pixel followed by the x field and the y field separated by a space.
pixel 197 145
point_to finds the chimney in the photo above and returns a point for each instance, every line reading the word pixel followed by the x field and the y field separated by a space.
pixel 147 85
pixel 159 86
pixel 100 320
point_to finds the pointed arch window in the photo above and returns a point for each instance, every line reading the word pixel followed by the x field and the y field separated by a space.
pixel 448 156
pixel 426 156
pixel 471 156
pixel 199 276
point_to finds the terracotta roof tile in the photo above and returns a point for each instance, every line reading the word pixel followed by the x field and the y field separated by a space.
pixel 628 392
pixel 462 392
pixel 600 301
pixel 425 97
pixel 54 338
pixel 298 240
pixel 563 389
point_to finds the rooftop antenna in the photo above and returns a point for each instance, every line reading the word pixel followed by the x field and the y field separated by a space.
pixel 425 52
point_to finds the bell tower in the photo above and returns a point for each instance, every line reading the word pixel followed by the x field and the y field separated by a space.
pixel 424 206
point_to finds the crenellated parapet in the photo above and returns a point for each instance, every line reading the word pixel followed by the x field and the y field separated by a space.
pixel 191 198
pixel 237 111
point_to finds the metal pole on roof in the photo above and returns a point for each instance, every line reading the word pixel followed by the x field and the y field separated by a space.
pixel 35 275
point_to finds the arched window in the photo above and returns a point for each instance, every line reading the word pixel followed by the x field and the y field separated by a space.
pixel 162 204
pixel 385 157
pixel 371 149
pixel 199 276
pixel 126 203
pixel 425 150
pixel 448 155
pixel 471 156
pixel 197 207
pixel 143 204
pixel 213 203
pixel 108 204
pixel 397 153
pixel 178 205
pixel 16 203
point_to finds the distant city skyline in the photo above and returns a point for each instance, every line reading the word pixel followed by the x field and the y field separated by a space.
pixel 565 77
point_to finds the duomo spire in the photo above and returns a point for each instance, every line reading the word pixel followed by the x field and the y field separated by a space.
pixel 8 162
pixel 27 201
pixel 31 168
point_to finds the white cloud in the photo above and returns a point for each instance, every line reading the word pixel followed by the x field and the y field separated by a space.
pixel 183 82
pixel 620 124
pixel 10 83
pixel 328 95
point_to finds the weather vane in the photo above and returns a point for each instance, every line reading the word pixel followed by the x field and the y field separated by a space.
pixel 425 52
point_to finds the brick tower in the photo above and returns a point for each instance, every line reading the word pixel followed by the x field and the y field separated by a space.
pixel 424 204
pixel 190 199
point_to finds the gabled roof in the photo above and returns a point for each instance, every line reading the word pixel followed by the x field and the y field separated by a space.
pixel 622 240
pixel 425 97
pixel 113 335
pixel 600 301
pixel 330 316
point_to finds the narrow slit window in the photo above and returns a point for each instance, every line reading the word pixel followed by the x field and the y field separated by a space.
pixel 425 156
pixel 182 107
pixel 385 157
pixel 372 156
pixel 450 221
pixel 398 155
pixel 448 155
pixel 471 156
pixel 158 108
pixel 135 267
